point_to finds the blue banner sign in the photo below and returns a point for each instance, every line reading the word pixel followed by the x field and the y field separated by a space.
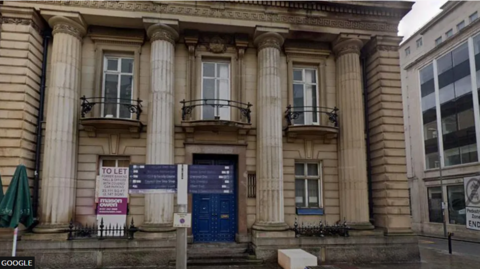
pixel 210 179
pixel 152 178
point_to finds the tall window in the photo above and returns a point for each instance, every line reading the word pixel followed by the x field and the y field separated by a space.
pixel 305 95
pixel 438 41
pixel 435 213
pixel 456 205
pixel 456 104
pixel 308 185
pixel 117 86
pixel 216 90
pixel 461 25
pixel 430 132
pixel 419 42
pixel 473 17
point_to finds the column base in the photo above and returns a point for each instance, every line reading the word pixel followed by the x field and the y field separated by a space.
pixel 271 227
pixel 360 225
pixel 154 230
pixel 45 228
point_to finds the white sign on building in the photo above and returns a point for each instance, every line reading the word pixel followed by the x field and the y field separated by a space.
pixel 472 202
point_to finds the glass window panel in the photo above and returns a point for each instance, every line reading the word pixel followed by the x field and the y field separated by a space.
pixel 426 74
pixel 447 93
pixel 208 93
pixel 466 119
pixel 435 204
pixel 460 54
pixel 297 75
pixel 314 103
pixel 432 160
pixel 313 193
pixel 449 124
pixel 312 169
pixel 127 65
pixel 463 86
pixel 430 130
pixel 298 103
pixel 461 25
pixel 224 94
pixel 444 63
pixel 438 40
pixel 428 102
pixel 473 17
pixel 419 42
pixel 456 204
pixel 209 70
pixel 300 193
pixel 310 76
pixel 299 169
pixel 449 33
pixel 452 157
pixel 123 163
pixel 110 95
pixel 223 71
pixel 109 163
pixel 125 95
pixel 476 44
pixel 469 153
pixel 112 64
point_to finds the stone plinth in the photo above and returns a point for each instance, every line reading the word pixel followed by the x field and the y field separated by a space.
pixel 296 259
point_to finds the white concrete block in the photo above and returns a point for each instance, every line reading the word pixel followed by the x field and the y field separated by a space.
pixel 295 259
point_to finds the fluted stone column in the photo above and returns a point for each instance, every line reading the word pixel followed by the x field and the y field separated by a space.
pixel 60 157
pixel 270 211
pixel 160 136
pixel 352 167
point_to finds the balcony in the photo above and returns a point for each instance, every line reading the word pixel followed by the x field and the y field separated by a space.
pixel 311 120
pixel 216 115
pixel 100 113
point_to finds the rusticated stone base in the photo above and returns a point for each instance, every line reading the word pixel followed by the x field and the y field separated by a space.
pixel 354 249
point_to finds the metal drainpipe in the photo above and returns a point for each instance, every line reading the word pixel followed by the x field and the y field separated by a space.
pixel 367 137
pixel 47 34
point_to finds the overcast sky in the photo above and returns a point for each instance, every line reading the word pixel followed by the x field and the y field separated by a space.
pixel 422 12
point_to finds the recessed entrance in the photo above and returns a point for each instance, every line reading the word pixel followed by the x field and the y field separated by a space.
pixel 215 215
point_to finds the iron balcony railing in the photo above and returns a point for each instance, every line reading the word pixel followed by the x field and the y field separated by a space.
pixel 131 105
pixel 295 113
pixel 189 106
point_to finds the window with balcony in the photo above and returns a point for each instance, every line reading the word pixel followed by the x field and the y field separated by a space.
pixel 308 185
pixel 305 96
pixel 117 87
pixel 216 90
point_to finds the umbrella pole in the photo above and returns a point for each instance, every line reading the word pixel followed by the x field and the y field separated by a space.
pixel 14 248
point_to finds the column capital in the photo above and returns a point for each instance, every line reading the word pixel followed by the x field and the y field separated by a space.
pixel 343 46
pixel 161 31
pixel 65 25
pixel 269 40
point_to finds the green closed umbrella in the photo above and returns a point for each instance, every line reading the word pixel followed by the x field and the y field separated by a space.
pixel 16 207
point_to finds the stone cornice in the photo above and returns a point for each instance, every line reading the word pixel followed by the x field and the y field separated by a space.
pixel 67 26
pixel 352 45
pixel 115 35
pixel 228 13
pixel 381 43
pixel 21 21
pixel 269 40
pixel 162 32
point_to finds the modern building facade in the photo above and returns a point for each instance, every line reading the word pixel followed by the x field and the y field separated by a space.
pixel 302 98
pixel 439 84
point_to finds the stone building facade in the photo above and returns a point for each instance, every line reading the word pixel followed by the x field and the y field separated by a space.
pixel 303 98
pixel 439 80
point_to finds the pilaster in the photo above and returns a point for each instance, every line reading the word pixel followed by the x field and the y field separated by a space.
pixel 352 168
pixel 58 189
pixel 270 204
pixel 160 135
pixel 391 209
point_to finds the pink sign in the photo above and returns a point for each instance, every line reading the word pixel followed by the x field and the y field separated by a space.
pixel 112 206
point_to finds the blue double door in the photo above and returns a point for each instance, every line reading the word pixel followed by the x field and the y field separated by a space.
pixel 215 215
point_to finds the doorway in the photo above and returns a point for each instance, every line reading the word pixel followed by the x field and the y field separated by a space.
pixel 215 215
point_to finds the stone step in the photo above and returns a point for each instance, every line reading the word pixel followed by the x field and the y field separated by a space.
pixel 220 262
pixel 218 255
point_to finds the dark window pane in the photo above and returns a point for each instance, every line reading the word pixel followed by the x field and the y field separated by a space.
pixel 312 169
pixel 125 95
pixel 209 70
pixel 297 75
pixel 426 73
pixel 112 64
pixel 430 130
pixel 460 54
pixel 312 193
pixel 111 96
pixel 127 65
pixel 432 160
pixel 444 64
pixel 299 169
pixel 299 103
pixel 208 93
pixel 435 204
pixel 300 193
pixel 456 204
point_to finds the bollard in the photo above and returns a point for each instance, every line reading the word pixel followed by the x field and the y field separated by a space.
pixel 450 242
